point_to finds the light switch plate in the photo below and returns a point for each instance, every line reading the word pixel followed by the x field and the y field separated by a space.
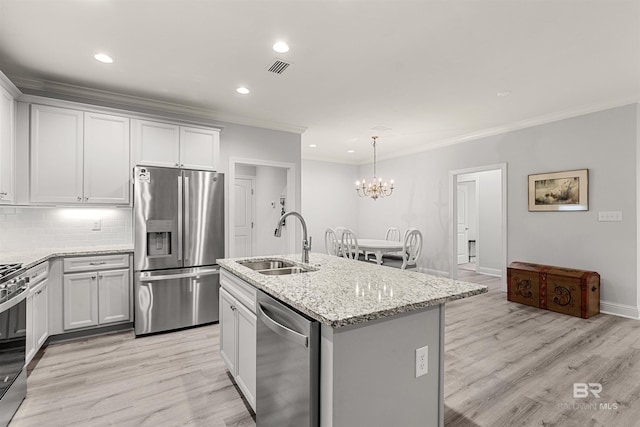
pixel 610 216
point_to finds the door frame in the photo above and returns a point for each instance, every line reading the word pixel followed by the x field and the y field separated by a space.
pixel 231 198
pixel 453 215
pixel 254 243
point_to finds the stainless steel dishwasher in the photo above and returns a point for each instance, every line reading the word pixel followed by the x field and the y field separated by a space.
pixel 288 382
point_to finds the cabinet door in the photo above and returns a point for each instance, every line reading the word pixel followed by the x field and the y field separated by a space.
pixel 56 154
pixel 40 315
pixel 246 365
pixel 155 144
pixel 228 345
pixel 106 159
pixel 199 148
pixel 7 147
pixel 113 296
pixel 80 300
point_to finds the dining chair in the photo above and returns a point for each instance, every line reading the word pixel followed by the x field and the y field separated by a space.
pixel 331 242
pixel 339 231
pixel 392 234
pixel 411 250
pixel 349 245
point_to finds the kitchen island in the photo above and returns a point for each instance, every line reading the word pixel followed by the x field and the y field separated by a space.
pixel 373 319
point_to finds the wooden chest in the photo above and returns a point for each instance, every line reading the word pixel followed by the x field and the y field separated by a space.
pixel 565 290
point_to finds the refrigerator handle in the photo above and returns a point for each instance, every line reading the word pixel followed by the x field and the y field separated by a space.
pixel 186 208
pixel 179 218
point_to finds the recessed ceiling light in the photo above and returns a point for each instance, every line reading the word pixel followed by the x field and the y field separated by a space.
pixel 350 151
pixel 281 47
pixel 243 90
pixel 504 93
pixel 103 57
pixel 312 145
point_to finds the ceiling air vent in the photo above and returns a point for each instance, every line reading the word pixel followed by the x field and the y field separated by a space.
pixel 278 66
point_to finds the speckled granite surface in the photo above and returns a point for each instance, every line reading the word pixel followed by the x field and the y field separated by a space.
pixel 36 256
pixel 344 292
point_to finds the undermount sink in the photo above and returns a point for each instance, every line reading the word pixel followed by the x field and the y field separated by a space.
pixel 273 267
pixel 266 265
pixel 283 271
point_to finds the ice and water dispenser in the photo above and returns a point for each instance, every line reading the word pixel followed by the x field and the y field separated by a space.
pixel 159 237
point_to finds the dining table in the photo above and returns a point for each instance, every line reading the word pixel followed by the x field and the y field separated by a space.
pixel 379 247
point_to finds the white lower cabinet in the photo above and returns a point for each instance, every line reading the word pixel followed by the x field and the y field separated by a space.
pixel 96 297
pixel 37 330
pixel 238 333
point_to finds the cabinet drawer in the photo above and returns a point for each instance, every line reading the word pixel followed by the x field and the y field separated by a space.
pixel 37 274
pixel 238 288
pixel 93 263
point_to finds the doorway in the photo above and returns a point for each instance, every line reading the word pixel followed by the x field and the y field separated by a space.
pixel 478 221
pixel 258 190
pixel 245 214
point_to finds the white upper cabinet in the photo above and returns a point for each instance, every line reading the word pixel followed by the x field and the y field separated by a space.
pixel 7 147
pixel 106 159
pixel 56 154
pixel 78 157
pixel 169 145
pixel 156 144
pixel 199 148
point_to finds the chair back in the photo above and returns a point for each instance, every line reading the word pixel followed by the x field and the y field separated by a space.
pixel 339 231
pixel 412 247
pixel 392 234
pixel 331 242
pixel 349 245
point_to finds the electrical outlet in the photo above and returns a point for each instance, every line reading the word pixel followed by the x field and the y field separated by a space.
pixel 422 361
pixel 610 216
pixel 97 225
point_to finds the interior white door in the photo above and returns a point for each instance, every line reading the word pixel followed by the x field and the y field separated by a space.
pixel 463 226
pixel 244 221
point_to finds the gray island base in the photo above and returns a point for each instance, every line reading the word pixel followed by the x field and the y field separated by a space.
pixel 372 320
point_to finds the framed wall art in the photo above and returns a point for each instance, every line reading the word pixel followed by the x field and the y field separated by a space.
pixel 559 191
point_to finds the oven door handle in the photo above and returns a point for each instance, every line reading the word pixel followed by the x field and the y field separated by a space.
pixel 5 306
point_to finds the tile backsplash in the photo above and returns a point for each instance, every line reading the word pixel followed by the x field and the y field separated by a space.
pixel 28 228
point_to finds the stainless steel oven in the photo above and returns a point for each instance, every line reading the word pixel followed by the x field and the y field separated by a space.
pixel 13 342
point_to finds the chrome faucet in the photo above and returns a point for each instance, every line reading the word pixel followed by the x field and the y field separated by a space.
pixel 306 242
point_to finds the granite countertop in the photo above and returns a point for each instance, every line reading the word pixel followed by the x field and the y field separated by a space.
pixel 342 292
pixel 31 257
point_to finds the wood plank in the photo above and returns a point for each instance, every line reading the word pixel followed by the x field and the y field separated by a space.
pixel 506 364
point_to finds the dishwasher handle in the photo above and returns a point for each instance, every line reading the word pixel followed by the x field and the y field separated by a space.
pixel 180 275
pixel 282 330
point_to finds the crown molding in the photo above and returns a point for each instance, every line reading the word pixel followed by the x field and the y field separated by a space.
pixel 56 89
pixel 522 124
pixel 9 86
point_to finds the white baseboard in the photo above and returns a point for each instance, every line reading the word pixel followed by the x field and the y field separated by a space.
pixel 490 271
pixel 620 310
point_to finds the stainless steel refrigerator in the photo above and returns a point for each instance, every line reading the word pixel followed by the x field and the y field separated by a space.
pixel 178 235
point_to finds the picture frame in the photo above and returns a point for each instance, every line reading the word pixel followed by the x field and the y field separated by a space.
pixel 559 191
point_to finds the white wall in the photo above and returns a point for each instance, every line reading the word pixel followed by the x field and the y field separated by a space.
pixel 605 142
pixel 271 183
pixel 246 142
pixel 28 228
pixel 329 198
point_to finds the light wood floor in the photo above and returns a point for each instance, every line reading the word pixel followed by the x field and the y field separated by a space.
pixel 505 365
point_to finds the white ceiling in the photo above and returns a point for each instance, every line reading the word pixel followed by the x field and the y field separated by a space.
pixel 417 73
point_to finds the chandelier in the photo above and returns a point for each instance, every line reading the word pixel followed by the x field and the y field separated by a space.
pixel 376 188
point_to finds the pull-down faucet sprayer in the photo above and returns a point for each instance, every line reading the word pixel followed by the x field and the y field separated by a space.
pixel 306 242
